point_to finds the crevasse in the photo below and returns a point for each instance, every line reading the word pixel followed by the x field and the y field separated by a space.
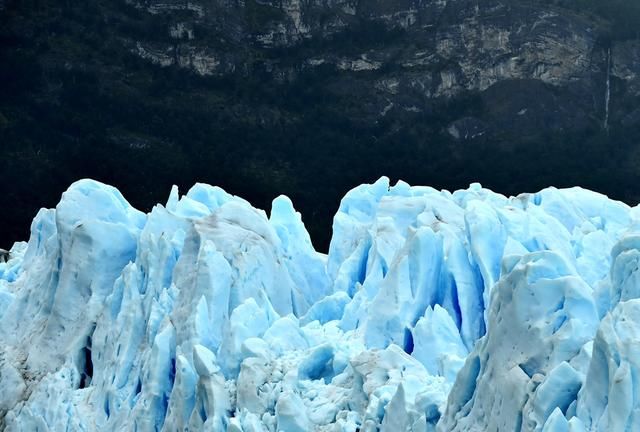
pixel 464 311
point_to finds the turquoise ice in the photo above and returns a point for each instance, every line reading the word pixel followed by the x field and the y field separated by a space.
pixel 433 311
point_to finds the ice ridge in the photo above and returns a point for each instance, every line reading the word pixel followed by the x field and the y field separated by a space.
pixel 433 311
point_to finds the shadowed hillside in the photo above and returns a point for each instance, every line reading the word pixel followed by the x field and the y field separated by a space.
pixel 264 98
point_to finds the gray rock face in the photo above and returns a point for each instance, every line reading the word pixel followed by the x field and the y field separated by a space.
pixel 265 96
pixel 626 64
pixel 417 52
pixel 467 128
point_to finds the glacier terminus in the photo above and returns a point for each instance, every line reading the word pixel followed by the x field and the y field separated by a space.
pixel 432 311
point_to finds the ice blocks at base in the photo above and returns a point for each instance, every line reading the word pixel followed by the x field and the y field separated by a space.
pixel 464 311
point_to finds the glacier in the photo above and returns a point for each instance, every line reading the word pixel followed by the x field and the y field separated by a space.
pixel 432 311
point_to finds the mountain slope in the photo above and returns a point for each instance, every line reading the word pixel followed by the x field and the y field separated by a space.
pixel 311 98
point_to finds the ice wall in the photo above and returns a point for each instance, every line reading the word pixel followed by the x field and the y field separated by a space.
pixel 432 311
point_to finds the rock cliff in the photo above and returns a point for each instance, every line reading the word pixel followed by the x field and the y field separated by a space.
pixel 266 97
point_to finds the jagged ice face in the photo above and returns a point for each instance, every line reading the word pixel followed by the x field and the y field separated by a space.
pixel 432 311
